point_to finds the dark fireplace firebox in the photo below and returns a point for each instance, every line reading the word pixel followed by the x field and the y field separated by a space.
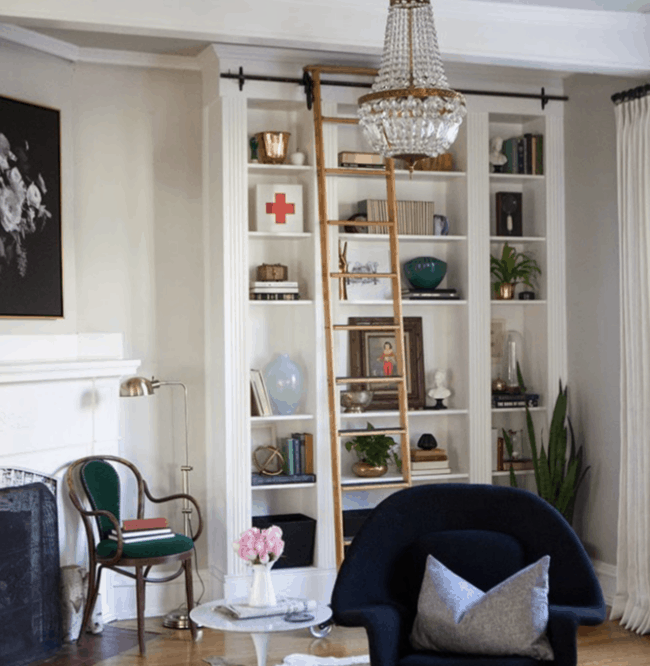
pixel 30 610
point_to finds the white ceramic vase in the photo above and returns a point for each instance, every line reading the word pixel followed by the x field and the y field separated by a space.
pixel 261 593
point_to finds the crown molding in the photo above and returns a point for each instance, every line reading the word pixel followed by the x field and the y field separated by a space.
pixel 470 31
pixel 38 42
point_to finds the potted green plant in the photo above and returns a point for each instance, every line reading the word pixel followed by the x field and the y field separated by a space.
pixel 513 267
pixel 557 475
pixel 374 453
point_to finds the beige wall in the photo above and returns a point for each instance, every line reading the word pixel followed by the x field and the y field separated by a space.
pixel 593 302
pixel 132 236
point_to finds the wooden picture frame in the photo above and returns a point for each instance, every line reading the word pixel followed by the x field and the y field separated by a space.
pixel 367 360
pixel 31 261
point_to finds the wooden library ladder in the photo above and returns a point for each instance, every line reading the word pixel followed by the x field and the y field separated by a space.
pixel 396 328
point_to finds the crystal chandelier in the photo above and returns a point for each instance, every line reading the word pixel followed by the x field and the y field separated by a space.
pixel 411 112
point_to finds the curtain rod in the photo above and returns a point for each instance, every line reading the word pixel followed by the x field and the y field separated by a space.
pixel 632 93
pixel 307 82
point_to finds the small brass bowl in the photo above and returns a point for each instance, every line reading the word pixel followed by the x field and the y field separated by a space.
pixel 355 402
pixel 273 147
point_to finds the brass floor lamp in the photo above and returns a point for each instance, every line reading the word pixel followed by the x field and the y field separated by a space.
pixel 135 387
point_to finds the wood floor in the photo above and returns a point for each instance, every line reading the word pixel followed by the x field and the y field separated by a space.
pixel 606 645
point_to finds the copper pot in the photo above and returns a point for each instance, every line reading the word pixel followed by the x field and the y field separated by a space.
pixel 367 470
pixel 506 291
pixel 273 147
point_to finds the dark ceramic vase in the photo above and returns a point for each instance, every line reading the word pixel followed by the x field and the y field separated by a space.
pixel 427 442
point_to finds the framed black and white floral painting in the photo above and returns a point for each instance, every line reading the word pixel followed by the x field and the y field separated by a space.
pixel 31 264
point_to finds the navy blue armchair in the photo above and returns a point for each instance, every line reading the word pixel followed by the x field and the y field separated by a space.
pixel 484 534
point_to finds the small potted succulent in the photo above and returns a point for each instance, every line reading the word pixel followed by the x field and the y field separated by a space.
pixel 513 267
pixel 374 453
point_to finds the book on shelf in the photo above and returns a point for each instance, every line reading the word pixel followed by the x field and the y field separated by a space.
pixel 430 472
pixel 430 294
pixel 261 284
pixel 262 400
pixel 144 524
pixel 418 455
pixel 298 454
pixel 274 290
pixel 502 400
pixel 429 464
pixel 281 479
pixel 414 218
pixel 284 605
pixel 518 464
pixel 525 154
pixel 274 297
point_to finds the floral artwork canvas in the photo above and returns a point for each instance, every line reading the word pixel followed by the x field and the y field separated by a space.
pixel 31 265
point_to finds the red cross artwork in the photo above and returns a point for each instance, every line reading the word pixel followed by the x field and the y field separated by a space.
pixel 280 208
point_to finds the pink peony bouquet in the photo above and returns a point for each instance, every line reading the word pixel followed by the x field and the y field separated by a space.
pixel 257 546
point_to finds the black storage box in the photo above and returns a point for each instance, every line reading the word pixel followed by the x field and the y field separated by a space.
pixel 298 534
pixel 353 519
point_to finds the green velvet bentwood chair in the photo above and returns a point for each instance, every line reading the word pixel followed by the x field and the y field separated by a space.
pixel 101 483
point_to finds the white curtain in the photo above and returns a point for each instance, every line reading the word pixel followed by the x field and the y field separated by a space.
pixel 632 601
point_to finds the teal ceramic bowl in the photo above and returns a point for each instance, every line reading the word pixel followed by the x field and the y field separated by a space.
pixel 425 272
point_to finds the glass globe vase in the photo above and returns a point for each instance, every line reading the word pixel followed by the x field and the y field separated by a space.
pixel 284 379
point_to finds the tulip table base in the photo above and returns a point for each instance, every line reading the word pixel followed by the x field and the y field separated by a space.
pixel 260 628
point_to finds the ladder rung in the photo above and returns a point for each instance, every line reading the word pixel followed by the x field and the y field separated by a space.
pixel 394 379
pixel 363 275
pixel 344 121
pixel 356 172
pixel 366 327
pixel 365 431
pixel 373 486
pixel 360 223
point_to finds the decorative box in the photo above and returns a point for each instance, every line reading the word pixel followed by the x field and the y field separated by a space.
pixel 272 273
pixel 279 208
pixel 298 534
pixel 444 162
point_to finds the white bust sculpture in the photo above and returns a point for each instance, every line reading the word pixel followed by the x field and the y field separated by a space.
pixel 439 390
pixel 497 158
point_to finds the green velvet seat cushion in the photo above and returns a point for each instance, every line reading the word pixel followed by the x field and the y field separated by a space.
pixel 179 543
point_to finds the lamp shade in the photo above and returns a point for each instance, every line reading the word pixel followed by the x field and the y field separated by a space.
pixel 135 387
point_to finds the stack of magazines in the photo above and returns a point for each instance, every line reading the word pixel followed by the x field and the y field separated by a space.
pixel 242 611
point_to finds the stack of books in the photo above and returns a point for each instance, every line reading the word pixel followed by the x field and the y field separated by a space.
pixel 280 290
pixel 430 294
pixel 427 463
pixel 143 529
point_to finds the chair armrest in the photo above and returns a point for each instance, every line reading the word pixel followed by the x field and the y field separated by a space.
pixel 118 530
pixel 385 625
pixel 159 500
pixel 563 623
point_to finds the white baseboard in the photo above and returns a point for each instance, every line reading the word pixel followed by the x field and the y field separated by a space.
pixel 606 574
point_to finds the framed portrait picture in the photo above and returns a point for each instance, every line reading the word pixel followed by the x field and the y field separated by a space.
pixel 373 354
pixel 31 264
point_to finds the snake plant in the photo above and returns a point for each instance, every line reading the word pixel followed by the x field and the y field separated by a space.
pixel 557 476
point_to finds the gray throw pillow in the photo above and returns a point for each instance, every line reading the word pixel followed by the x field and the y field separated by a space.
pixel 509 619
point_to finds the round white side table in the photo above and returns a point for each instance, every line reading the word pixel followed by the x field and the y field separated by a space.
pixel 260 629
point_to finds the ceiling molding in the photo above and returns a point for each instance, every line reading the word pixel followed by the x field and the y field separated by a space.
pixel 470 31
pixel 39 42
pixel 135 59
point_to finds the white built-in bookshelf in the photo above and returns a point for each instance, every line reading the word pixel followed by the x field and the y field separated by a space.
pixel 456 333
